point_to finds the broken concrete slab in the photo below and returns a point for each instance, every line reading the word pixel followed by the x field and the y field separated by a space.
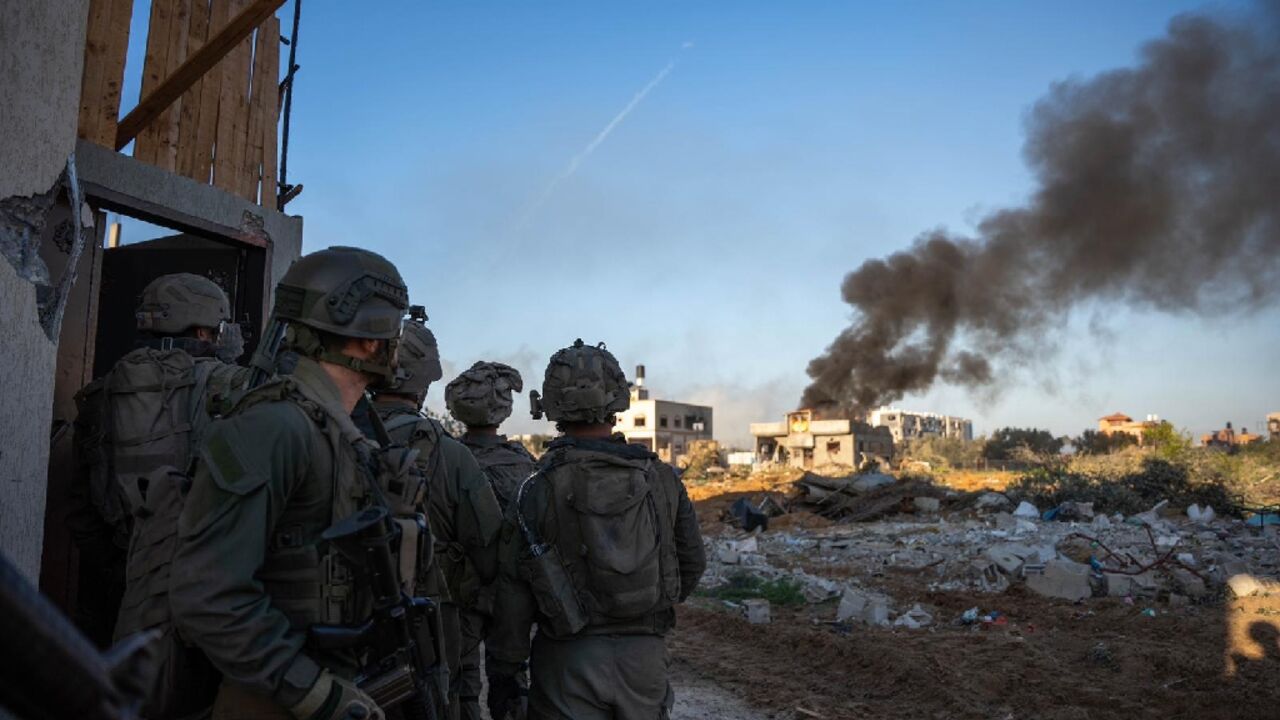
pixel 1062 579
pixel 1026 510
pixel 1199 515
pixel 1144 585
pixel 1244 585
pixel 727 555
pixel 927 504
pixel 852 605
pixel 991 501
pixel 914 619
pixel 1080 511
pixel 1189 583
pixel 757 611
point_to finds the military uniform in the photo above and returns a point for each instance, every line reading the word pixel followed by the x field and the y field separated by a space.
pixel 148 411
pixel 462 512
pixel 602 542
pixel 481 398
pixel 252 573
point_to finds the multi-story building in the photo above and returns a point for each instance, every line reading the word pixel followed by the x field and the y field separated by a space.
pixel 666 427
pixel 1229 439
pixel 803 442
pixel 1120 424
pixel 906 425
pixel 1273 426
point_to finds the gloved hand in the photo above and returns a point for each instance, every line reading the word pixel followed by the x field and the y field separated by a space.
pixel 506 696
pixel 335 698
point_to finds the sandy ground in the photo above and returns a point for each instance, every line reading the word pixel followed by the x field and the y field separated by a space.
pixel 699 698
pixel 1215 658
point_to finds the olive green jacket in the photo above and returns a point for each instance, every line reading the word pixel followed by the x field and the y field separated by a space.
pixel 251 574
pixel 462 511
pixel 516 608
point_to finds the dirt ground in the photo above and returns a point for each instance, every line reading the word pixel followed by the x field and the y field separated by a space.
pixel 1101 658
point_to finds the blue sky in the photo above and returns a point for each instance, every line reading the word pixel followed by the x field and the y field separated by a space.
pixel 707 234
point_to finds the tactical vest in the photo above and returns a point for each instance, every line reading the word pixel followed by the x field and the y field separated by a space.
pixel 506 464
pixel 610 515
pixel 307 579
pixel 452 576
pixel 147 413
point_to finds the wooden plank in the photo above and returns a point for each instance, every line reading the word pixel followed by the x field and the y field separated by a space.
pixel 271 102
pixel 191 108
pixel 250 15
pixel 95 48
pixel 251 167
pixel 232 112
pixel 168 121
pixel 117 53
pixel 210 89
pixel 153 71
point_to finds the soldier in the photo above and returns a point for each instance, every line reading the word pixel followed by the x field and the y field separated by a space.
pixel 146 412
pixel 252 572
pixel 463 513
pixel 602 543
pixel 480 399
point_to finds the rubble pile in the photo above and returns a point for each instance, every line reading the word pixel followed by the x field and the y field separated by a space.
pixel 987 544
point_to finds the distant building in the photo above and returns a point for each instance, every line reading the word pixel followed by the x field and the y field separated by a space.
pixel 1273 426
pixel 803 442
pixel 666 427
pixel 907 425
pixel 1228 439
pixel 1121 424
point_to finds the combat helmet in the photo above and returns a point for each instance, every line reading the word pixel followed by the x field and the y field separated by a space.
pixel 344 291
pixel 173 304
pixel 419 356
pixel 583 384
pixel 481 396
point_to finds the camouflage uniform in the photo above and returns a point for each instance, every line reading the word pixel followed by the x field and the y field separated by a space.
pixel 108 462
pixel 252 573
pixel 601 606
pixel 461 509
pixel 480 398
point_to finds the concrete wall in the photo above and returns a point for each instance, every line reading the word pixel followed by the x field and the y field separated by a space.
pixel 41 57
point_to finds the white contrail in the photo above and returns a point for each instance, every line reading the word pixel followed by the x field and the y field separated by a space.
pixel 572 167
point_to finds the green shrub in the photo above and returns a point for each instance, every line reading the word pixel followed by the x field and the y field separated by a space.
pixel 745 586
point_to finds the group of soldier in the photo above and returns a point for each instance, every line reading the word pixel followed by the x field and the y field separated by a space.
pixel 218 502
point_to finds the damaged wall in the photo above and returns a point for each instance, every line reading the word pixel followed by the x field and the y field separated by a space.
pixel 41 56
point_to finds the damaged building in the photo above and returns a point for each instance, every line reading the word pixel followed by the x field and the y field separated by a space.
pixel 666 427
pixel 803 441
pixel 909 425
pixel 196 156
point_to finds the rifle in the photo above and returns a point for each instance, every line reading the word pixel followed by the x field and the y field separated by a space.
pixel 395 671
pixel 53 672
pixel 263 363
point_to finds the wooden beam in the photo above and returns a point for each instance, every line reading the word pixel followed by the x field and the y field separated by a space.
pixel 195 66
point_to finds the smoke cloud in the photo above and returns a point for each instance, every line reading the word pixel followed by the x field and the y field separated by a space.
pixel 1157 187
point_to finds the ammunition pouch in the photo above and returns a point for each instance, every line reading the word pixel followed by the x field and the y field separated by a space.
pixel 557 599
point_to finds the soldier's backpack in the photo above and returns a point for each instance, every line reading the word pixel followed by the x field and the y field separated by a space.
pixel 151 410
pixel 615 532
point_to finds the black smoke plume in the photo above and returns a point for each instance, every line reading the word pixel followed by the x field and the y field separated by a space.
pixel 1156 187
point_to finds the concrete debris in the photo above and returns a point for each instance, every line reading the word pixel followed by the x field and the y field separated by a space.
pixel 1026 510
pixel 992 501
pixel 757 611
pixel 1061 579
pixel 927 504
pixel 972 552
pixel 1144 585
pixel 1077 511
pixel 871 481
pixel 1199 515
pixel 1244 585
pixel 914 619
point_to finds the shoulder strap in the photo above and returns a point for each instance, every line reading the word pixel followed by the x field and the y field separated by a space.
pixel 402 420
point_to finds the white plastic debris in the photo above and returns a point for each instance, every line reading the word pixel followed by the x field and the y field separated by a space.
pixel 1026 510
